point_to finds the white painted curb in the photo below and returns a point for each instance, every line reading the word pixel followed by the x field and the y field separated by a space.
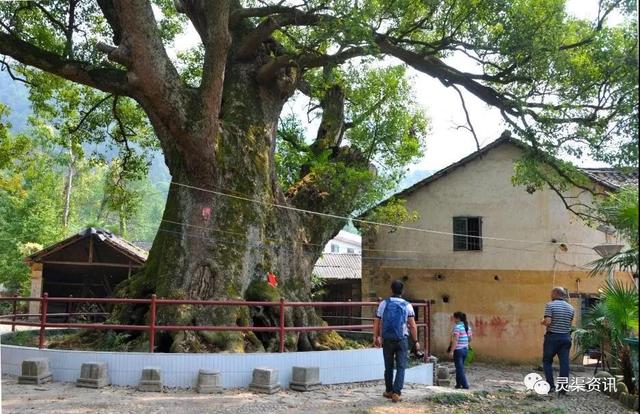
pixel 181 370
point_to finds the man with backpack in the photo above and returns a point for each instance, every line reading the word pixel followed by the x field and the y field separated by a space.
pixel 395 319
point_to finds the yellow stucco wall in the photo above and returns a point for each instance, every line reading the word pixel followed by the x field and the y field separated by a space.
pixel 547 246
pixel 504 314
pixel 483 188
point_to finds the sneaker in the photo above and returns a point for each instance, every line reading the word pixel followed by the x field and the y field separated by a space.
pixel 387 394
pixel 395 397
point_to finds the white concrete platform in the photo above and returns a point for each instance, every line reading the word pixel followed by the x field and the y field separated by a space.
pixel 181 370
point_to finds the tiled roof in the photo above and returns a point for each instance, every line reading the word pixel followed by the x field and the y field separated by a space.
pixel 339 266
pixel 105 236
pixel 612 177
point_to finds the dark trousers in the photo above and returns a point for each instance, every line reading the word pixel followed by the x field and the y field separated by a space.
pixel 556 344
pixel 395 352
pixel 459 355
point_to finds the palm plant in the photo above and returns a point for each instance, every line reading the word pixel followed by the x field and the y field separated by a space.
pixel 608 322
pixel 620 210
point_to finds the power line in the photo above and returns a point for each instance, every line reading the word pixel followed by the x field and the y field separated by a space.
pixel 374 223
pixel 422 254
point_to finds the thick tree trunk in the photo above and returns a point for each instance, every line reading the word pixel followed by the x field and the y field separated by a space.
pixel 212 246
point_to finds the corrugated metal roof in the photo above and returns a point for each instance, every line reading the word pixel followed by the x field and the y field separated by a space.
pixel 339 266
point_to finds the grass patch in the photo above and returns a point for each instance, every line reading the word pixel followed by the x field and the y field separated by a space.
pixel 480 393
pixel 549 411
pixel 21 338
pixel 451 398
pixel 535 397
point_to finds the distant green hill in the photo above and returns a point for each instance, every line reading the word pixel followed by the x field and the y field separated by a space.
pixel 16 97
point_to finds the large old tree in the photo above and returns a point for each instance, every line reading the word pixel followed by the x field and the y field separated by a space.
pixel 240 169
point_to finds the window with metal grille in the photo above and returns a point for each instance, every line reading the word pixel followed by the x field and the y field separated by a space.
pixel 335 248
pixel 467 233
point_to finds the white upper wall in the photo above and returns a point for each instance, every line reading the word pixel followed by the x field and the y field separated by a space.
pixel 483 188
pixel 344 242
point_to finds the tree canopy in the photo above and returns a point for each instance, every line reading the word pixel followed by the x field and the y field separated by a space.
pixel 560 82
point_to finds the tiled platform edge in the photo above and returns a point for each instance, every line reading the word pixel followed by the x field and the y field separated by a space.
pixel 181 370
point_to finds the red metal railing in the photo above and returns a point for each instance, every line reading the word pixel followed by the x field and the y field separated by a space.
pixel 153 327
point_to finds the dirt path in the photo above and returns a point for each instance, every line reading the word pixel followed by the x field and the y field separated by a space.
pixel 494 390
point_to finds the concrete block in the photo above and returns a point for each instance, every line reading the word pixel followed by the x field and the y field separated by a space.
pixel 305 378
pixel 151 380
pixel 443 372
pixel 444 383
pixel 621 387
pixel 576 368
pixel 602 374
pixel 35 371
pixel 622 397
pixel 630 402
pixel 93 375
pixel 208 382
pixel 265 380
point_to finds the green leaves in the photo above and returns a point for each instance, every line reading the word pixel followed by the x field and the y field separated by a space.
pixel 620 210
pixel 383 131
pixel 393 212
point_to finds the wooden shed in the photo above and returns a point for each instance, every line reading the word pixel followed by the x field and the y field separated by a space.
pixel 88 264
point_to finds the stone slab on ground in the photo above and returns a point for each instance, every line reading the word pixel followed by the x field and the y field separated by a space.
pixel 93 375
pixel 503 383
pixel 150 380
pixel 265 380
pixel 443 372
pixel 444 382
pixel 35 371
pixel 305 378
pixel 208 382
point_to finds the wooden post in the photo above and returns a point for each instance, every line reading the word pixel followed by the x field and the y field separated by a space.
pixel 68 310
pixel 43 319
pixel 425 338
pixel 427 329
pixel 349 314
pixel 281 325
pixel 13 317
pixel 152 323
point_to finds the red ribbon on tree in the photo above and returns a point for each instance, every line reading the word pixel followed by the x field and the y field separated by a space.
pixel 272 279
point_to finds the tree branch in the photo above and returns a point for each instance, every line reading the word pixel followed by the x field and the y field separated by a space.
pixel 109 13
pixel 447 75
pixel 107 79
pixel 157 85
pixel 244 13
pixel 309 61
pixel 4 65
pixel 250 45
pixel 89 112
pixel 466 113
pixel 211 20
